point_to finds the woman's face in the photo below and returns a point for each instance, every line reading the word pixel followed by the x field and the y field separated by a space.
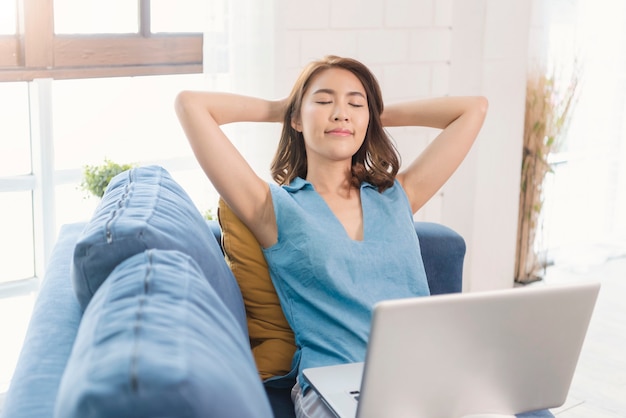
pixel 334 116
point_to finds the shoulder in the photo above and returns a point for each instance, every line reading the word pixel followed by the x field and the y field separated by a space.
pixel 390 200
pixel 396 188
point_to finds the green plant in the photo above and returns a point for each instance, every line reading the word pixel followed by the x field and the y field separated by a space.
pixel 96 178
pixel 210 214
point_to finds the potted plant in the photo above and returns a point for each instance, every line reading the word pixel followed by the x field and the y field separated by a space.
pixel 96 178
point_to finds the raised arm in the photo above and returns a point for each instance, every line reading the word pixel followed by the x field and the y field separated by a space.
pixel 460 119
pixel 201 114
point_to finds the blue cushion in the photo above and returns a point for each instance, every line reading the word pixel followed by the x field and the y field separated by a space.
pixel 157 340
pixel 443 252
pixel 144 208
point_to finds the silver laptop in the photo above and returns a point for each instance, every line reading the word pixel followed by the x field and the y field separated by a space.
pixel 449 356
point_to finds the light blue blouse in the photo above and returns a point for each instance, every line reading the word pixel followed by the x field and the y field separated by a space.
pixel 328 283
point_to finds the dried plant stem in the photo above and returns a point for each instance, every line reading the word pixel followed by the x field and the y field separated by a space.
pixel 547 115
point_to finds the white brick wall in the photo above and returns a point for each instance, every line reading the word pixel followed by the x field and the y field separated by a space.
pixel 390 36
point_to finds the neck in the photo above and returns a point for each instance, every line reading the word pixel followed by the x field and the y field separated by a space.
pixel 331 180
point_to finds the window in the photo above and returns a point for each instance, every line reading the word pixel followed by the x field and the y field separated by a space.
pixel 167 16
pixel 123 16
pixel 124 119
pixel 14 130
pixel 585 193
pixel 94 79
pixel 91 17
pixel 16 222
pixel 16 242
pixel 7 17
pixel 64 39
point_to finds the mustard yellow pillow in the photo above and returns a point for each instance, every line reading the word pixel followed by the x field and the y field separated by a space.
pixel 271 338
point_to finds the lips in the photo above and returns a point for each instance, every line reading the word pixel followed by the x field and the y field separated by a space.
pixel 339 132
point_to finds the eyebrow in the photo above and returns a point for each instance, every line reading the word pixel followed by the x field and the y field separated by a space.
pixel 332 92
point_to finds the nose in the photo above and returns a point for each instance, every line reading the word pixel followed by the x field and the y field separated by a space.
pixel 340 113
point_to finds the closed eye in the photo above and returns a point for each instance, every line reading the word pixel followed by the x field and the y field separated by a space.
pixel 329 102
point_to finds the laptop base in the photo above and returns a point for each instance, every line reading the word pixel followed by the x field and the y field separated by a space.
pixel 488 416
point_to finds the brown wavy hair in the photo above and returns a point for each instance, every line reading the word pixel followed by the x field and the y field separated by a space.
pixel 377 161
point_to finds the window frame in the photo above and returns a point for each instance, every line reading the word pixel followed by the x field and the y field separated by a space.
pixel 37 52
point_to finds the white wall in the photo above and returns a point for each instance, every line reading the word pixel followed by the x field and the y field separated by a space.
pixel 421 48
pixel 489 56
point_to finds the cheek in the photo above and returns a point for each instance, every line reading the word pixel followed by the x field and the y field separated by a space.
pixel 312 120
pixel 363 121
pixel 306 116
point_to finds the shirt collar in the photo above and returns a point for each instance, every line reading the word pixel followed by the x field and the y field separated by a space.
pixel 299 183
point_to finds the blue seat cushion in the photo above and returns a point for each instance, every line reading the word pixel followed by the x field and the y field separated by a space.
pixel 144 208
pixel 157 340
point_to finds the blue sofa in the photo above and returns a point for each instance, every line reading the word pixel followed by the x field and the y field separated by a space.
pixel 125 340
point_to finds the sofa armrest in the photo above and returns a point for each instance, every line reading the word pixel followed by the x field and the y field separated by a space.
pixel 50 336
pixel 214 226
pixel 443 252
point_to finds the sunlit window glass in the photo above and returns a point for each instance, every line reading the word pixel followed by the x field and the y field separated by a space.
pixel 14 130
pixel 178 15
pixel 96 16
pixel 7 17
pixel 124 119
pixel 16 236
pixel 73 204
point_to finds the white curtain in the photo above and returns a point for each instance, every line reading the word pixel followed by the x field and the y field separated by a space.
pixel 585 205
pixel 239 46
pixel 239 57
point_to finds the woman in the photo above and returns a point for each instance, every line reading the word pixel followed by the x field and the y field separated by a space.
pixel 338 232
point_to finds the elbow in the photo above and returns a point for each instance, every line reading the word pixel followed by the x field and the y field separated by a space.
pixel 182 101
pixel 479 108
pixel 482 104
